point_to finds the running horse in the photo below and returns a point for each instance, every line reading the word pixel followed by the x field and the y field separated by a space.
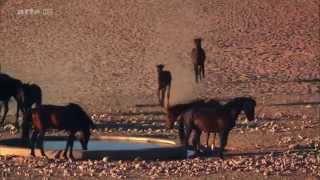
pixel 198 57
pixel 71 118
pixel 219 119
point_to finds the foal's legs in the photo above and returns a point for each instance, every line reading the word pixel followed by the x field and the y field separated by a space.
pixel 6 109
pixel 33 142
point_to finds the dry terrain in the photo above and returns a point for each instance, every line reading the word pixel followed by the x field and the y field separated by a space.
pixel 102 54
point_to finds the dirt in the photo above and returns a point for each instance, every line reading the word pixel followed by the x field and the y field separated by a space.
pixel 102 54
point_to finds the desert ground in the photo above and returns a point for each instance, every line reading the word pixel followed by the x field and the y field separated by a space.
pixel 103 54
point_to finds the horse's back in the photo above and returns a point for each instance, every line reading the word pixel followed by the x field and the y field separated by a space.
pixel 48 116
pixel 210 119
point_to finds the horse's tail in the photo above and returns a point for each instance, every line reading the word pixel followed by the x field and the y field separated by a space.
pixel 26 123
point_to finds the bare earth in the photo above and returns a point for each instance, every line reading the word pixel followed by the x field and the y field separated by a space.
pixel 102 54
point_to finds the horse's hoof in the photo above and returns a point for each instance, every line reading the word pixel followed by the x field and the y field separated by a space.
pixel 65 156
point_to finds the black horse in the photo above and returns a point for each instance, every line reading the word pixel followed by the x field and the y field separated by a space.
pixel 218 119
pixel 71 118
pixel 10 87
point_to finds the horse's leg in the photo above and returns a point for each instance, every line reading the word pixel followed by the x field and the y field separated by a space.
pixel 40 140
pixel 168 94
pixel 67 147
pixel 202 70
pixel 195 66
pixel 71 145
pixel 188 131
pixel 196 141
pixel 17 116
pixel 159 94
pixel 163 91
pixel 213 145
pixel 6 109
pixel 33 142
pixel 207 139
pixel 223 142
pixel 181 132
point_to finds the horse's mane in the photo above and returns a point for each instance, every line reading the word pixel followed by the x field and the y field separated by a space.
pixel 179 108
pixel 239 100
pixel 185 105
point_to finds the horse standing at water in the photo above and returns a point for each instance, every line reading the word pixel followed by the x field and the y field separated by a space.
pixel 198 57
pixel 10 87
pixel 220 119
pixel 164 84
pixel 174 112
pixel 71 118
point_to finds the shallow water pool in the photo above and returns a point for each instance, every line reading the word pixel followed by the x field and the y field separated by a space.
pixel 96 145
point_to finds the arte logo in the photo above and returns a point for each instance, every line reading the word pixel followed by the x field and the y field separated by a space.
pixel 31 11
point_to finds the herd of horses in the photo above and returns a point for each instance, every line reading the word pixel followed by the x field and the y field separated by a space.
pixel 193 118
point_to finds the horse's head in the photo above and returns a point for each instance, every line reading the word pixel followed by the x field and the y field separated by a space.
pixel 84 121
pixel 197 41
pixel 160 67
pixel 248 106
pixel 172 116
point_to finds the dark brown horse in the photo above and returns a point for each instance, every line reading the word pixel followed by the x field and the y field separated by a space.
pixel 10 87
pixel 219 119
pixel 71 118
pixel 174 112
pixel 198 56
pixel 164 84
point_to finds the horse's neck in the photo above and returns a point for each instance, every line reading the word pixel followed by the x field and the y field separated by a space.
pixel 233 111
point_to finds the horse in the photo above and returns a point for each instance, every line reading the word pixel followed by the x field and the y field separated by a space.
pixel 32 95
pixel 164 84
pixel 198 57
pixel 174 112
pixel 10 87
pixel 219 119
pixel 71 118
